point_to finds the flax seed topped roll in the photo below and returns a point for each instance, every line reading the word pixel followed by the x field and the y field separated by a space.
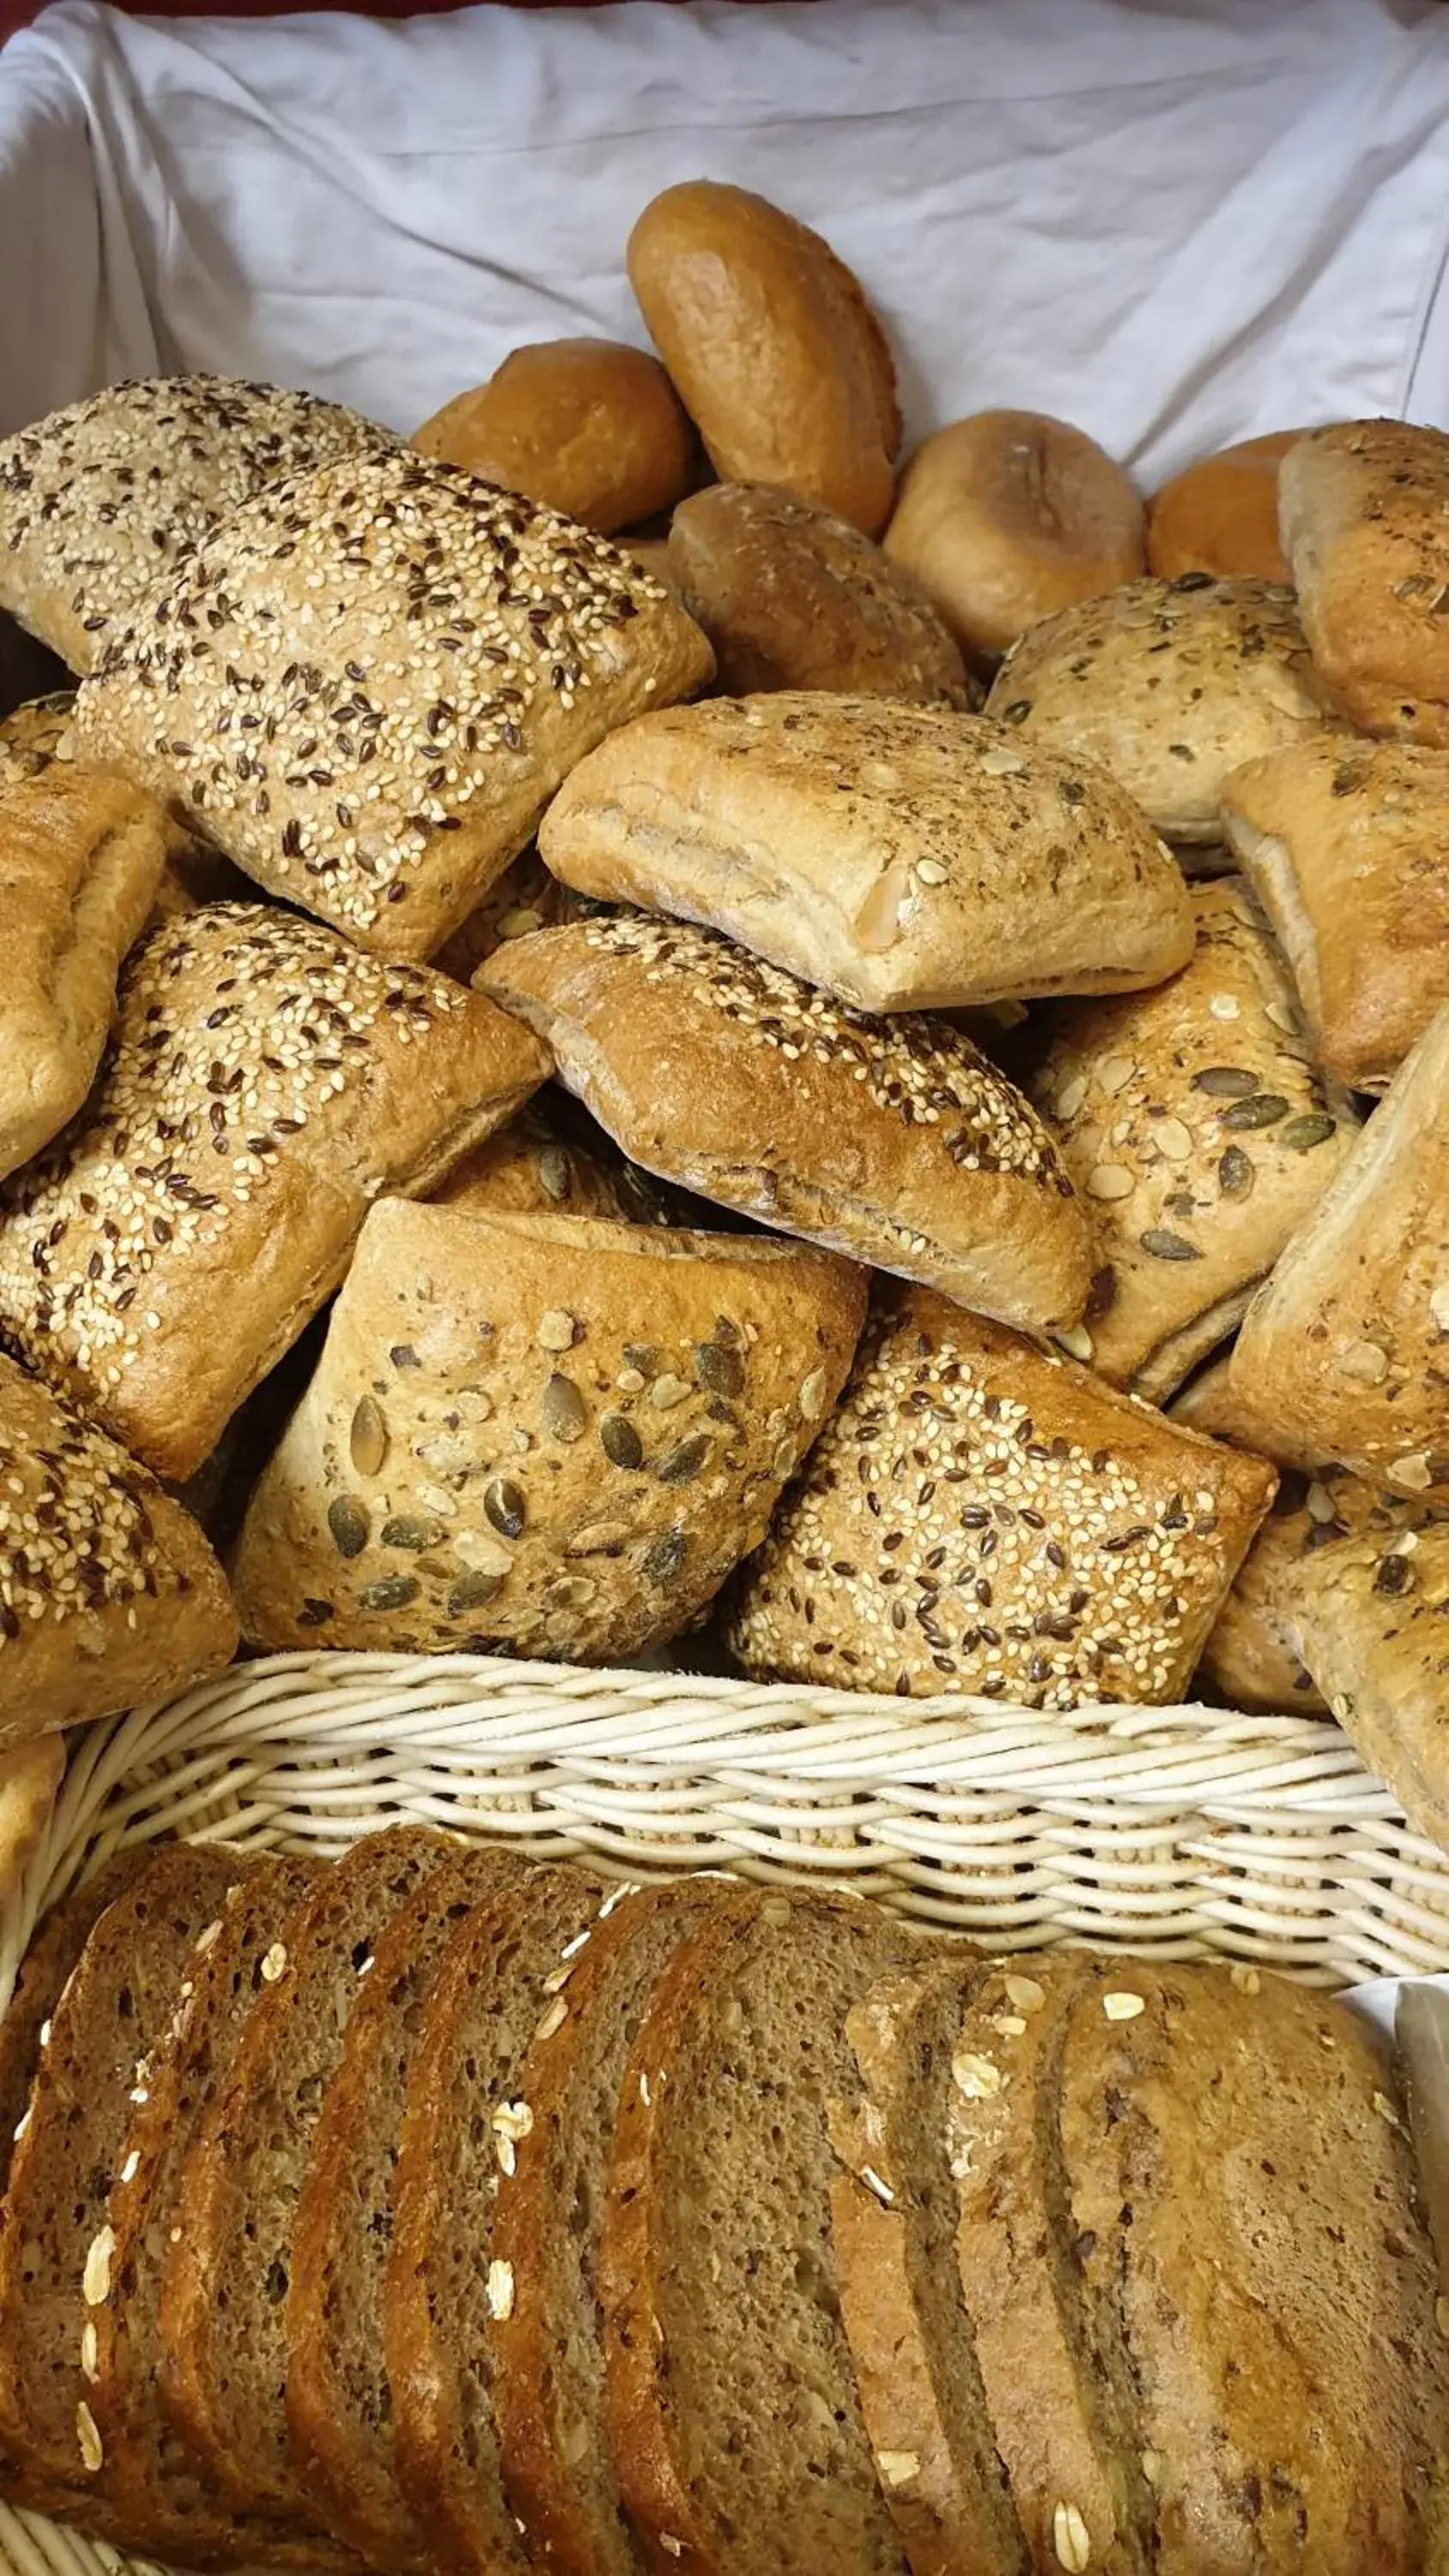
pixel 98 502
pixel 367 685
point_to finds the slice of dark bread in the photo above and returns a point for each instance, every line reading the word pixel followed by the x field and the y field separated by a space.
pixel 1065 2427
pixel 54 2242
pixel 550 2399
pixel 56 1946
pixel 223 2308
pixel 893 2231
pixel 160 2496
pixel 1241 2185
pixel 501 1989
pixel 737 2430
pixel 339 2404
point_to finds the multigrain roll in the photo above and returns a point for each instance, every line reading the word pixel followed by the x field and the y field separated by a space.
pixel 1009 517
pixel 1367 1615
pixel 265 1083
pixel 589 427
pixel 531 1168
pixel 1362 514
pixel 890 1140
pixel 1169 685
pixel 792 597
pixel 541 1434
pixel 463 649
pixel 979 1517
pixel 1220 515
pixel 905 858
pixel 99 502
pixel 773 347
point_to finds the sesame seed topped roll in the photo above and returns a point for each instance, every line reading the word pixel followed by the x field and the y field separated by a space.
pixel 265 1083
pixel 367 686
pixel 100 501
pixel 979 1517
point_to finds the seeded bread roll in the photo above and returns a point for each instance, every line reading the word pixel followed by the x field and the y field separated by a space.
pixel 1367 1615
pixel 771 343
pixel 892 1141
pixel 1346 846
pixel 541 1434
pixel 1009 517
pixel 1220 515
pixel 593 428
pixel 109 1594
pixel 32 735
pixel 42 732
pixel 794 598
pixel 1170 685
pixel 530 1168
pixel 981 1518
pixel 524 899
pixel 81 855
pixel 462 650
pixel 99 502
pixel 265 1083
pixel 903 857
pixel 1201 1136
pixel 1344 1355
pixel 1361 513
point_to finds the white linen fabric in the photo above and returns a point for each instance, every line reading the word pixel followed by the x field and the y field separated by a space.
pixel 1175 221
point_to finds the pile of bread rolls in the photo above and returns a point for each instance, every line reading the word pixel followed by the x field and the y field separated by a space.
pixel 987 940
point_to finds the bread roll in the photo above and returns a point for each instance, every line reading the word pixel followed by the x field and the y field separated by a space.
pixel 530 1168
pixel 524 899
pixel 1346 846
pixel 904 858
pixel 544 1435
pixel 773 347
pixel 1362 511
pixel 265 1084
pixel 1220 515
pixel 589 427
pixel 794 598
pixel 1169 685
pixel 43 732
pixel 466 648
pixel 29 1779
pixel 1368 1616
pixel 31 736
pixel 977 1517
pixel 891 1141
pixel 1007 518
pixel 1345 1354
pixel 98 503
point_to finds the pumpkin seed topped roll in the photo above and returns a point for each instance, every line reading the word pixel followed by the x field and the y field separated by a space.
pixel 367 685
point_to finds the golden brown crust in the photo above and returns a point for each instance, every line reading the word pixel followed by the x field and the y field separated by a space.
pixel 542 1434
pixel 772 345
pixel 467 649
pixel 1361 510
pixel 1009 517
pixel 265 1083
pixel 29 1779
pixel 906 858
pixel 32 735
pixel 1368 1615
pixel 792 597
pixel 1169 685
pixel 1220 515
pixel 1200 1136
pixel 980 1517
pixel 1346 845
pixel 593 428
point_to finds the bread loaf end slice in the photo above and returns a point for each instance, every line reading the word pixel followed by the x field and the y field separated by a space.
pixel 53 1952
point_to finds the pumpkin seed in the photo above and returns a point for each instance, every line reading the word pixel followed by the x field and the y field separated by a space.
pixel 1235 1173
pixel 684 1463
pixel 1263 1110
pixel 564 1410
pixel 368 1439
pixel 394 1592
pixel 719 1370
pixel 402 1355
pixel 1226 1081
pixel 505 1506
pixel 1394 1575
pixel 1166 1246
pixel 315 1614
pixel 1101 1295
pixel 620 1441
pixel 472 1591
pixel 642 1356
pixel 1017 712
pixel 348 1521
pixel 554 1177
pixel 663 1560
pixel 1302 1134
pixel 406 1531
pixel 1192 581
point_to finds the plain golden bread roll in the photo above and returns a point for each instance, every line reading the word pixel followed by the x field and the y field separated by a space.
pixel 589 427
pixel 1221 514
pixel 792 597
pixel 773 347
pixel 1363 510
pixel 1008 517
pixel 904 857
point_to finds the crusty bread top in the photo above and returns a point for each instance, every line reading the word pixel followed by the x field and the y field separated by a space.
pixel 99 501
pixel 1220 514
pixel 590 427
pixel 1361 510
pixel 907 858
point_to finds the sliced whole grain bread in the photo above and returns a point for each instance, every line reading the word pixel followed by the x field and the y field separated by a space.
pixel 55 1947
pixel 339 2403
pixel 893 2228
pixel 1241 2183
pixel 502 1989
pixel 737 2429
pixel 223 2304
pixel 1065 2424
pixel 550 2398
pixel 115 2010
